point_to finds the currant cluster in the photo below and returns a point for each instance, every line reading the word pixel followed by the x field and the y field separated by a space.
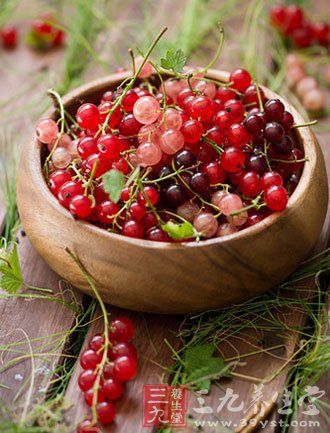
pixel 218 156
pixel 44 34
pixel 104 376
pixel 292 23
pixel 305 86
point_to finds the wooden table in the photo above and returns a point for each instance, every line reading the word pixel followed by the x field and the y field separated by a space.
pixel 31 323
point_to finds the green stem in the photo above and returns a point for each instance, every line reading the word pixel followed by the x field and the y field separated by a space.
pixel 218 52
pixel 131 83
pixel 107 342
pixel 302 125
pixel 215 146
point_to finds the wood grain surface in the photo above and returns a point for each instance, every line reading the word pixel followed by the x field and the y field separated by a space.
pixel 42 318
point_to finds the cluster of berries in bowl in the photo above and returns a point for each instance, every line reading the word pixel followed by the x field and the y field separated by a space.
pixel 190 150
pixel 104 374
pixel 299 30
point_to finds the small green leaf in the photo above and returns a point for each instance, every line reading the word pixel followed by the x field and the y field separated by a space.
pixel 11 279
pixel 201 366
pixel 174 60
pixel 113 184
pixel 179 231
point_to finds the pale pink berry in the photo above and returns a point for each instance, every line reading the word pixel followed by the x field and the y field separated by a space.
pixel 171 141
pixel 47 131
pixel 149 154
pixel 63 141
pixel 217 196
pixel 314 100
pixel 170 119
pixel 238 220
pixel 226 229
pixel 207 88
pixel 293 75
pixel 172 88
pixel 147 68
pixel 206 224
pixel 305 85
pixel 133 159
pixel 188 210
pixel 149 133
pixel 293 60
pixel 72 148
pixel 61 157
pixel 230 203
pixel 146 110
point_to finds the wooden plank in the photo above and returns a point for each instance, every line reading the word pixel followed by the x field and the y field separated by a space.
pixel 152 352
pixel 29 353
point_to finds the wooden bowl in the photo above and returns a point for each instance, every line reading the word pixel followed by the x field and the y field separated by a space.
pixel 173 278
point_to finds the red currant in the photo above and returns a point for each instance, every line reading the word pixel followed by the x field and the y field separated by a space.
pixel 276 198
pixel 240 79
pixel 122 330
pixel 87 426
pixel 105 412
pixel 90 359
pixel 113 389
pixel 57 179
pixel 86 380
pixel 232 159
pixel 125 368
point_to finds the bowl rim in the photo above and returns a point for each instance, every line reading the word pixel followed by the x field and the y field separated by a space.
pixel 304 136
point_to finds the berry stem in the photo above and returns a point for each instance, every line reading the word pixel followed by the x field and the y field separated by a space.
pixel 293 161
pixel 302 125
pixel 215 146
pixel 261 105
pixel 107 342
pixel 254 205
pixel 131 82
pixel 218 52
pixel 194 194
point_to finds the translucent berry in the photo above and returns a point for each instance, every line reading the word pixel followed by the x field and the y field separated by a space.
pixel 230 203
pixel 188 210
pixel 171 141
pixel 47 131
pixel 206 224
pixel 149 154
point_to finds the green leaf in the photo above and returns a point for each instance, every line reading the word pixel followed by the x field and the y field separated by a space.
pixel 201 366
pixel 179 231
pixel 113 184
pixel 11 279
pixel 174 60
